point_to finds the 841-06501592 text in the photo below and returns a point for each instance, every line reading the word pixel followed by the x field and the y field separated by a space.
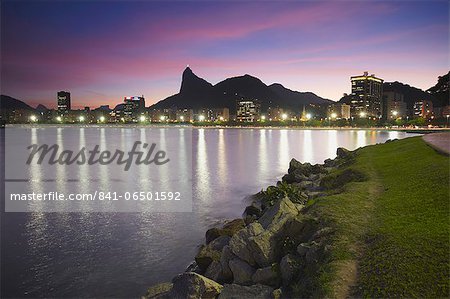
pixel 98 195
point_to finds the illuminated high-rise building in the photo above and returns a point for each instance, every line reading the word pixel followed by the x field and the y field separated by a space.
pixel 133 107
pixel 248 110
pixel 63 101
pixel 423 109
pixel 367 93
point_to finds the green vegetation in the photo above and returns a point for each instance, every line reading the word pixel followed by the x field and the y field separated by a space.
pixel 393 226
pixel 340 178
pixel 274 193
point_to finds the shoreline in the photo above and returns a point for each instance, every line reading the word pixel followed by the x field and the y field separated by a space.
pixel 306 236
pixel 275 241
pixel 408 130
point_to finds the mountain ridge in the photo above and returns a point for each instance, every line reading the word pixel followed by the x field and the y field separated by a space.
pixel 10 103
pixel 226 92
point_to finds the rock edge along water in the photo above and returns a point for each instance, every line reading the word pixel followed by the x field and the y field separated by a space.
pixel 273 248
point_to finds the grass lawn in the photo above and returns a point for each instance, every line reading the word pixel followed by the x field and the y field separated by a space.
pixel 392 236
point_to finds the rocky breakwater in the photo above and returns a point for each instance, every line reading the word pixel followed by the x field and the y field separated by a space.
pixel 275 249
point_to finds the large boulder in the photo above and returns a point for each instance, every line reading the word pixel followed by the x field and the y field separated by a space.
pixel 300 228
pixel 206 256
pixel 225 259
pixel 252 210
pixel 313 253
pixel 267 276
pixel 212 234
pixel 191 285
pixel 159 291
pixel 291 178
pixel 239 242
pixel 309 251
pixel 214 271
pixel 282 210
pixel 294 165
pixel 264 248
pixel 289 266
pixel 299 172
pixel 246 292
pixel 242 272
pixel 219 243
pixel 343 153
pixel 306 169
pixel 228 229
pixel 211 252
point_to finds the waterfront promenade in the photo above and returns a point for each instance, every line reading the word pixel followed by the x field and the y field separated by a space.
pixel 439 141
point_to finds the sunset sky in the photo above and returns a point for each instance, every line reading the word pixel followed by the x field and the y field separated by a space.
pixel 101 51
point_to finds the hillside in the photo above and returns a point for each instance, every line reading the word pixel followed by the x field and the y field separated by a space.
pixel 10 103
pixel 411 94
pixel 441 90
pixel 288 95
pixel 196 93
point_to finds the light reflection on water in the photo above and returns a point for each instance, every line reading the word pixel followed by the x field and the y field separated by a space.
pixel 120 255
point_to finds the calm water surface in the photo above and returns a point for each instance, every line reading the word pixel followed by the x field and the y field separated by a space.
pixel 121 254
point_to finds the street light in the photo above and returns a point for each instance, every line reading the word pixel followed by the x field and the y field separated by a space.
pixel 362 114
pixel 221 118
pixel 162 117
pixel 58 118
pixel 284 116
pixel 101 119
pixel 201 118
pixel 308 116
pixel 448 115
pixel 33 118
pixel 142 118
pixel 81 118
pixel 263 117
pixel 333 115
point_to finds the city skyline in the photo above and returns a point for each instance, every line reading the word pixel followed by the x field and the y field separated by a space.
pixel 142 48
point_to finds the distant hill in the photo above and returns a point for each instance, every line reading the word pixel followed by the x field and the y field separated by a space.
pixel 197 93
pixel 194 93
pixel 118 107
pixel 289 96
pixel 193 85
pixel 41 108
pixel 441 90
pixel 411 94
pixel 10 103
pixel 104 108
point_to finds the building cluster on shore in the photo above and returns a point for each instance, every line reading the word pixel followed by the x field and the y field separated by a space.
pixel 367 101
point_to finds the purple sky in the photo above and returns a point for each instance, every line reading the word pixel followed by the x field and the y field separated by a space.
pixel 102 51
